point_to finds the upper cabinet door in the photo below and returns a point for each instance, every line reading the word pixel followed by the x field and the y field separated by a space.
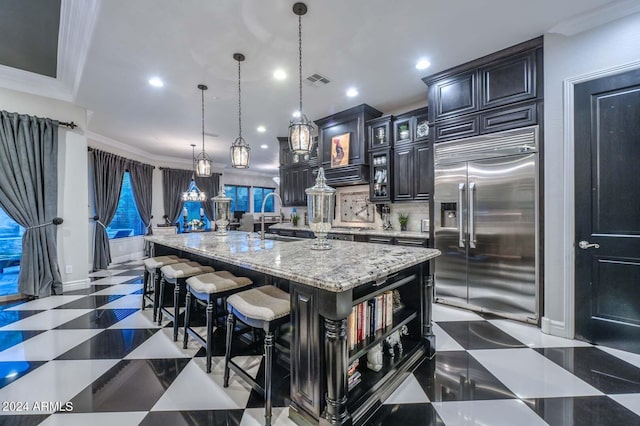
pixel 510 80
pixel 454 95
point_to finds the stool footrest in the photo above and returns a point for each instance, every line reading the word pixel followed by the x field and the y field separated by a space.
pixel 247 378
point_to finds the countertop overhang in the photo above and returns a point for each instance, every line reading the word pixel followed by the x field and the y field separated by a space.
pixel 347 265
pixel 356 231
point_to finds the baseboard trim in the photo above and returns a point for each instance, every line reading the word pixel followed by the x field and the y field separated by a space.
pixel 554 328
pixel 75 285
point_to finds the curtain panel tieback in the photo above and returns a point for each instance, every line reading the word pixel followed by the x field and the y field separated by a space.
pixel 54 221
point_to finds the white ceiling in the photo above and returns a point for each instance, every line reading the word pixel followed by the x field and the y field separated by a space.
pixel 369 44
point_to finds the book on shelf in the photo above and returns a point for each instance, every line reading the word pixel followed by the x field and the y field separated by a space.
pixel 369 317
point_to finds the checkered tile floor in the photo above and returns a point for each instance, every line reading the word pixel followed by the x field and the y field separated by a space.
pixel 93 357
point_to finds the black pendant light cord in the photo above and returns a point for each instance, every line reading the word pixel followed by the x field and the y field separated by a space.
pixel 239 104
pixel 300 56
pixel 202 91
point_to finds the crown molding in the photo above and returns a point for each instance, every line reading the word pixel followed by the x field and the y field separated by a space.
pixel 77 22
pixel 35 84
pixel 596 17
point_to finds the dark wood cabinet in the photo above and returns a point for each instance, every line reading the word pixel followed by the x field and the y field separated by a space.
pixel 351 122
pixel 295 176
pixel 380 186
pixel 379 133
pixel 497 92
pixel 412 172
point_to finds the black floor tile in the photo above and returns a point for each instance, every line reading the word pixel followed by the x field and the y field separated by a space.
pixel 130 385
pixel 406 414
pixel 110 344
pixel 601 370
pixel 280 387
pixel 457 376
pixel 91 302
pixel 100 318
pixel 583 411
pixel 23 420
pixel 8 317
pixel 479 335
pixel 193 418
pixel 10 371
pixel 10 338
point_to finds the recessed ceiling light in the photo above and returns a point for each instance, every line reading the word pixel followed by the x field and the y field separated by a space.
pixel 352 92
pixel 296 114
pixel 156 82
pixel 279 74
pixel 423 64
pixel 261 129
pixel 264 146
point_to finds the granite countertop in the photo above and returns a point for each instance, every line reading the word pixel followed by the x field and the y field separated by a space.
pixel 347 265
pixel 358 231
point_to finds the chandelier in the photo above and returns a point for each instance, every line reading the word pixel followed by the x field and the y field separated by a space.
pixel 203 164
pixel 300 128
pixel 193 193
pixel 240 150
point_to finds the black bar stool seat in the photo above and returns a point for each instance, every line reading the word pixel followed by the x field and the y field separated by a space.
pixel 207 289
pixel 177 274
pixel 265 307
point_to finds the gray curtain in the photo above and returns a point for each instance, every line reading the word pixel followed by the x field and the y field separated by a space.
pixel 210 187
pixel 174 183
pixel 141 185
pixel 108 171
pixel 29 195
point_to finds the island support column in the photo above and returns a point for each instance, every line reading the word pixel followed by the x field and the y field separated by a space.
pixel 336 360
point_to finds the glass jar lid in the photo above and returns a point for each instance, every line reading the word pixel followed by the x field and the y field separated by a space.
pixel 320 188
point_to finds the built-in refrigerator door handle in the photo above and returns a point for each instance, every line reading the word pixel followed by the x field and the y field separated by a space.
pixel 459 215
pixel 472 214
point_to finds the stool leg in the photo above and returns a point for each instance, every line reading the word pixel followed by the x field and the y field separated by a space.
pixel 227 354
pixel 187 314
pixel 161 300
pixel 156 294
pixel 176 309
pixel 268 360
pixel 145 284
pixel 209 333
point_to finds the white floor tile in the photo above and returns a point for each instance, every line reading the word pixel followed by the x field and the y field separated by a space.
pixel 449 313
pixel 47 346
pixel 132 301
pixel 95 419
pixel 528 374
pixel 630 401
pixel 444 342
pixel 55 381
pixel 140 319
pixel 631 358
pixel 255 417
pixel 106 272
pixel 118 289
pixel 409 392
pixel 113 280
pixel 44 303
pixel 46 320
pixel 504 412
pixel 194 389
pixel 160 346
pixel 533 337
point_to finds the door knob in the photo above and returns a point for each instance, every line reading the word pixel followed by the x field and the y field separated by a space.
pixel 586 244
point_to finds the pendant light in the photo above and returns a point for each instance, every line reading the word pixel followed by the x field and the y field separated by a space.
pixel 193 193
pixel 300 128
pixel 203 164
pixel 240 150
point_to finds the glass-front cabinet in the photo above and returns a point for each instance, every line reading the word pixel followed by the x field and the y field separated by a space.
pixel 380 187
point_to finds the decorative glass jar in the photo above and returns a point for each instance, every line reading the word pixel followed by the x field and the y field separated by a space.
pixel 222 212
pixel 320 203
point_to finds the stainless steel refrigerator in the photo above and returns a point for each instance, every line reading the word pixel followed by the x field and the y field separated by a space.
pixel 486 223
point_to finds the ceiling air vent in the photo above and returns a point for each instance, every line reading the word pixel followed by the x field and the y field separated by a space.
pixel 317 80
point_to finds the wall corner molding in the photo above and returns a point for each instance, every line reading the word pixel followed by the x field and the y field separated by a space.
pixel 596 17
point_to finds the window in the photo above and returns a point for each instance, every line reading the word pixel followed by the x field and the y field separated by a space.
pixel 258 196
pixel 126 222
pixel 239 197
pixel 10 253
pixel 194 211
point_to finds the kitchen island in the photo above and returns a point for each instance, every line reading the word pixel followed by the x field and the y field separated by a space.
pixel 325 287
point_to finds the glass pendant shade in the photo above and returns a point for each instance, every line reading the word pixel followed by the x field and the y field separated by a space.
pixel 320 203
pixel 300 136
pixel 240 154
pixel 221 211
pixel 203 167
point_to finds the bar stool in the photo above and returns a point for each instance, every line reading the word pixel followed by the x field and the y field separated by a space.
pixel 177 274
pixel 207 289
pixel 152 277
pixel 265 307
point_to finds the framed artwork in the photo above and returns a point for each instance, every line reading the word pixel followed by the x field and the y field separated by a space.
pixel 340 150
